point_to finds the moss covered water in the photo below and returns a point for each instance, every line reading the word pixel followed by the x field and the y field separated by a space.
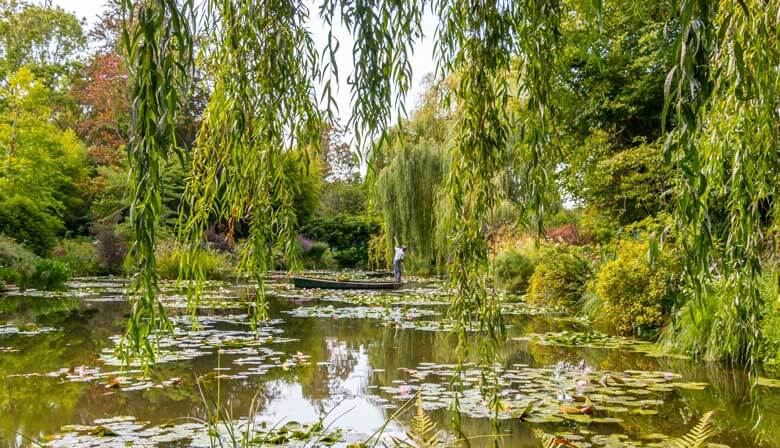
pixel 348 358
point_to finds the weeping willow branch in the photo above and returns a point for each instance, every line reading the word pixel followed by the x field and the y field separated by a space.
pixel 478 41
pixel 724 91
pixel 384 32
pixel 262 106
pixel 158 41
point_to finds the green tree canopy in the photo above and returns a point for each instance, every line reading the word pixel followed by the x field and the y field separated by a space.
pixel 46 39
pixel 38 161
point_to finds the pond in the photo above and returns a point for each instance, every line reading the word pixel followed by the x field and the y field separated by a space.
pixel 348 358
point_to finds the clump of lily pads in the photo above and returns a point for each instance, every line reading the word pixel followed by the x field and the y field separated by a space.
pixel 124 431
pixel 397 314
pixel 29 329
pixel 545 395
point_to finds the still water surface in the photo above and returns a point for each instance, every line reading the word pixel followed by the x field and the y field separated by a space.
pixel 355 365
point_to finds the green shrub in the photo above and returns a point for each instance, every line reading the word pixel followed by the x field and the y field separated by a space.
pixel 48 275
pixel 80 256
pixel 591 305
pixel 691 331
pixel 513 270
pixel 347 236
pixel 20 266
pixel 709 327
pixel 637 296
pixel 212 264
pixel 111 248
pixel 318 249
pixel 28 224
pixel 559 278
pixel 17 263
pixel 352 257
pixel 770 323
pixel 596 227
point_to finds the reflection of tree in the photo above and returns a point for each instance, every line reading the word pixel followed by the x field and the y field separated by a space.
pixel 33 406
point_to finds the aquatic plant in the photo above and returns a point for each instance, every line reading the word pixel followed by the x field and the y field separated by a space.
pixel 549 440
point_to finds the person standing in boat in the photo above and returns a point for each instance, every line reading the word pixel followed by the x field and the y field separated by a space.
pixel 398 260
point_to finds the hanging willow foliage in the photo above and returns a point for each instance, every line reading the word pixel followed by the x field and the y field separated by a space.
pixel 480 41
pixel 384 32
pixel 262 104
pixel 725 92
pixel 158 41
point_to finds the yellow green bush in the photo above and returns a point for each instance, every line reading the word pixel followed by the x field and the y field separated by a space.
pixel 513 271
pixel 637 297
pixel 770 322
pixel 213 264
pixel 559 278
pixel 81 257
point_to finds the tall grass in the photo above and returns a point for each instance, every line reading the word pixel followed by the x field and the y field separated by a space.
pixel 709 327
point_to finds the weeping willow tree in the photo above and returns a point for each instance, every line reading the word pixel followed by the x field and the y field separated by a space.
pixel 406 192
pixel 724 92
pixel 263 66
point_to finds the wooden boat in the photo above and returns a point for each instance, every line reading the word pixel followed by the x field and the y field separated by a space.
pixel 308 282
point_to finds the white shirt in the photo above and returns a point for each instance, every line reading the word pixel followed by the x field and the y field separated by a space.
pixel 399 254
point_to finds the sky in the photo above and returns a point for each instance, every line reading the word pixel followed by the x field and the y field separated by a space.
pixel 422 60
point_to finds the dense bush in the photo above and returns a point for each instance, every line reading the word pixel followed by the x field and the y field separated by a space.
pixel 559 278
pixel 513 271
pixel 317 250
pixel 314 254
pixel 48 275
pixel 30 225
pixel 347 236
pixel 111 247
pixel 80 256
pixel 352 257
pixel 213 265
pixel 709 327
pixel 596 227
pixel 637 296
pixel 17 263
pixel 630 184
pixel 21 267
pixel 770 324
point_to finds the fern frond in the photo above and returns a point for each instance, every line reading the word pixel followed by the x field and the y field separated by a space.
pixel 549 440
pixel 423 430
pixel 699 435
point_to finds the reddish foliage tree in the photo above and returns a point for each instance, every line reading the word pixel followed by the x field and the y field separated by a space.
pixel 106 108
